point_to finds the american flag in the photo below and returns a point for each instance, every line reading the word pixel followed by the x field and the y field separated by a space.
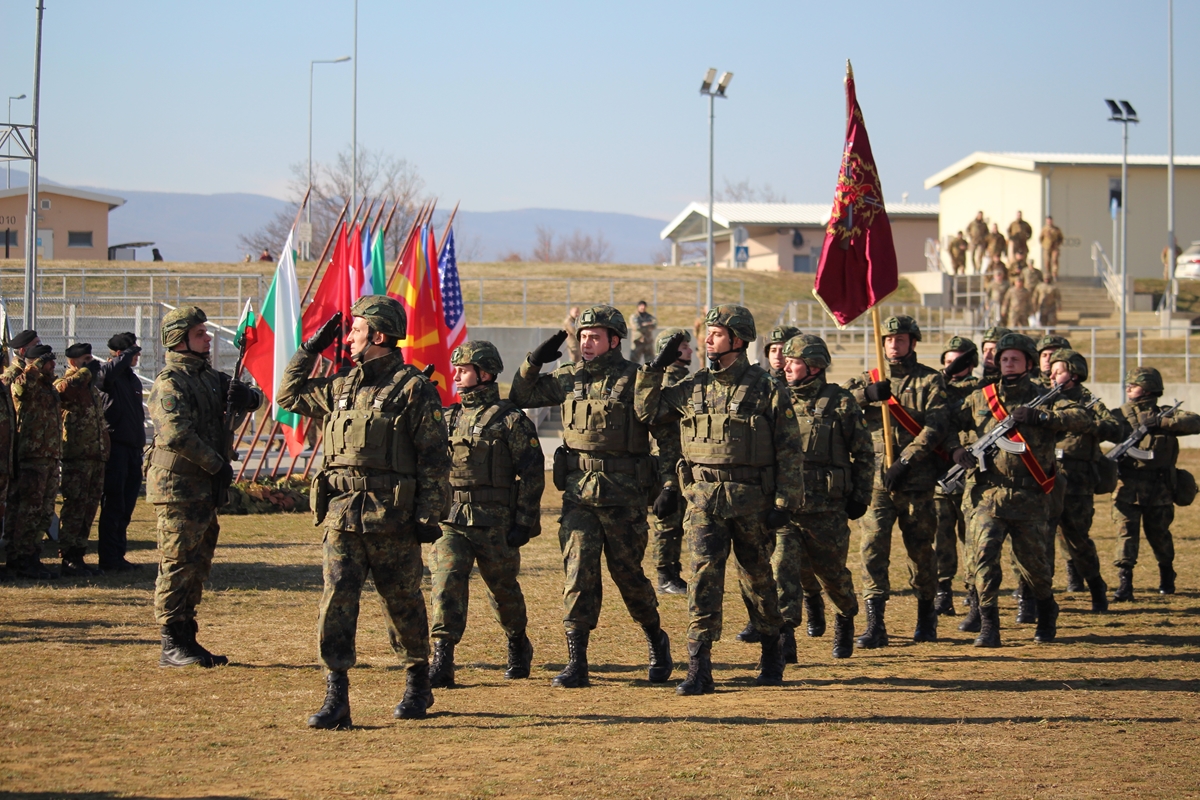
pixel 452 299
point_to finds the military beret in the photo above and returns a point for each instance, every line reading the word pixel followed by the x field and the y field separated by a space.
pixel 22 339
pixel 122 341
pixel 79 349
pixel 41 351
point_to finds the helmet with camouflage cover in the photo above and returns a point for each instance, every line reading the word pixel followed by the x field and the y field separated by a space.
pixel 894 326
pixel 1053 342
pixel 961 344
pixel 177 322
pixel 810 349
pixel 603 316
pixel 1075 362
pixel 1017 341
pixel 1146 377
pixel 382 313
pixel 737 319
pixel 480 353
pixel 995 334
pixel 665 335
pixel 781 333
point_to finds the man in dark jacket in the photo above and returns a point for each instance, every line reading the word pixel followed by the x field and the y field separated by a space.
pixel 126 418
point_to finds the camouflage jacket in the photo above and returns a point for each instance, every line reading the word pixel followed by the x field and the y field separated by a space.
pixel 1046 300
pixel 1016 306
pixel 1007 489
pixel 1152 483
pixel 39 420
pixel 85 431
pixel 420 408
pixel 8 431
pixel 977 230
pixel 1020 231
pixel 666 437
pixel 764 399
pixel 922 393
pixel 997 245
pixel 958 250
pixel 1077 452
pixel 957 391
pixel 819 493
pixel 519 437
pixel 643 327
pixel 11 372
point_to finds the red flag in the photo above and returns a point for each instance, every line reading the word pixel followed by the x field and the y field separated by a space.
pixel 858 262
pixel 333 292
pixel 416 287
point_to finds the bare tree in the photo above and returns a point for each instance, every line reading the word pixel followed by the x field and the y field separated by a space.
pixel 546 250
pixel 744 192
pixel 583 249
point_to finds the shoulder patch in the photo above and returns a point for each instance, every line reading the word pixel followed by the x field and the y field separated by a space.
pixel 789 413
pixel 169 402
pixel 437 415
pixel 533 441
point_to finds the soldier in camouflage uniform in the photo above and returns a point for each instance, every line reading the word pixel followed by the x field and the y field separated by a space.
pixel 8 461
pixel 915 396
pixel 1019 234
pixel 772 360
pixel 39 448
pixel 666 532
pixel 21 344
pixel 188 476
pixel 85 451
pixel 381 492
pixel 1047 346
pixel 977 231
pixel 1009 498
pixel 606 474
pixel 644 325
pixel 951 526
pixel 1145 493
pixel 742 475
pixel 987 348
pixel 497 475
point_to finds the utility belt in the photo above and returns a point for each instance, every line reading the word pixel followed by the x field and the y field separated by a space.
pixel 1022 482
pixel 759 476
pixel 362 483
pixel 402 488
pixel 643 468
pixel 173 462
pixel 584 463
pixel 482 494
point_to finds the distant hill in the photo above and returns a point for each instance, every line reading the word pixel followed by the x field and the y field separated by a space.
pixel 495 234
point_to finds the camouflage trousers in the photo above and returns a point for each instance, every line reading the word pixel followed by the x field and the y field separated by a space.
pixel 951 529
pixel 711 539
pixel 823 542
pixel 1074 524
pixel 666 540
pixel 454 556
pixel 914 511
pixel 619 534
pixel 187 539
pixel 642 351
pixel 82 485
pixel 28 517
pixel 986 533
pixel 394 563
pixel 1155 520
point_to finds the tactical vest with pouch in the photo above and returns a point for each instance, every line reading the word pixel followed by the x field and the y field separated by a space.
pixel 737 445
pixel 826 457
pixel 1164 446
pixel 481 468
pixel 605 424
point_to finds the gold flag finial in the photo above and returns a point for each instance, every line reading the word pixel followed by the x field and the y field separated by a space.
pixel 849 71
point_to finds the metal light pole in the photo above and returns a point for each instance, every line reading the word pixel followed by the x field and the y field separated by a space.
pixel 1172 284
pixel 707 90
pixel 354 123
pixel 308 206
pixel 9 164
pixel 29 312
pixel 1124 114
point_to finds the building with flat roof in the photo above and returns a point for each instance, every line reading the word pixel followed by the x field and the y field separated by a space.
pixel 1075 190
pixel 72 223
pixel 787 237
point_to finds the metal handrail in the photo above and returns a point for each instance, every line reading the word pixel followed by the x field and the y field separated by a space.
pixel 1103 269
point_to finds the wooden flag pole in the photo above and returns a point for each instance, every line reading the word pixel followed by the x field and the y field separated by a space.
pixel 328 243
pixel 266 450
pixel 412 231
pixel 442 242
pixel 257 435
pixel 885 412
pixel 388 223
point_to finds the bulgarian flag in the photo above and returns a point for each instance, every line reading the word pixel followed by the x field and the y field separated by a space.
pixel 276 339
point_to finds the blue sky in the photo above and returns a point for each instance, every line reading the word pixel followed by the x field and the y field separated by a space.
pixel 587 105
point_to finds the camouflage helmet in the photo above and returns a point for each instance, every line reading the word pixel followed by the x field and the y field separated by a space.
pixel 1053 342
pixel 810 349
pixel 1017 341
pixel 665 335
pixel 382 313
pixel 177 322
pixel 737 319
pixel 995 334
pixel 893 326
pixel 961 344
pixel 603 316
pixel 1146 377
pixel 1075 362
pixel 781 333
pixel 482 354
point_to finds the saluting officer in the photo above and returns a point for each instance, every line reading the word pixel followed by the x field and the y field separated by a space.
pixel 39 448
pixel 86 446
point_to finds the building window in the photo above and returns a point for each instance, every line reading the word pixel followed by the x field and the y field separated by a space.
pixel 802 264
pixel 45 205
pixel 9 238
pixel 79 238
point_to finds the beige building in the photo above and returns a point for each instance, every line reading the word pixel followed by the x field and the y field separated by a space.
pixel 787 237
pixel 72 223
pixel 1074 189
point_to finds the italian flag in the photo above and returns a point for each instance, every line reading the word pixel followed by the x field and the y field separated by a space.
pixel 276 339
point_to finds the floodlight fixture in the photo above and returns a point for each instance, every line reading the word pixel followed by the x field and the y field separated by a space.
pixel 724 83
pixel 709 77
pixel 1115 110
pixel 1130 114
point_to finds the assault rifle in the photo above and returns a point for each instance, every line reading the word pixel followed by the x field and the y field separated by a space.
pixel 1126 448
pixel 995 439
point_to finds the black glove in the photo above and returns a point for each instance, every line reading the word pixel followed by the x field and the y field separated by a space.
pixel 879 392
pixel 518 535
pixel 670 353
pixel 963 457
pixel 778 517
pixel 1024 415
pixel 137 348
pixel 428 532
pixel 222 480
pixel 320 341
pixel 94 366
pixel 548 350
pixel 667 502
pixel 961 362
pixel 854 509
pixel 244 398
pixel 895 473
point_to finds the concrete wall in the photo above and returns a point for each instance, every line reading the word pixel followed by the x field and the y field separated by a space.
pixel 771 247
pixel 909 236
pixel 64 215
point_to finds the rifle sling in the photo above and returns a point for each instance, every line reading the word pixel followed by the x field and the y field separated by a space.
pixel 1045 482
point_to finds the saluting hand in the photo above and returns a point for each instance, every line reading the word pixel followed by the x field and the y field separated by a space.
pixel 324 336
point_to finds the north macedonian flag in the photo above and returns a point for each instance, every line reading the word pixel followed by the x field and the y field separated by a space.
pixel 858 262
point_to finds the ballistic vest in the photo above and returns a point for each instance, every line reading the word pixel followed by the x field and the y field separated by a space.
pixel 374 438
pixel 1164 446
pixel 742 437
pixel 607 423
pixel 479 453
pixel 821 434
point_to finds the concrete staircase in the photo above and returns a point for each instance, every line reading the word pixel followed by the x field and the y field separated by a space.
pixel 1085 302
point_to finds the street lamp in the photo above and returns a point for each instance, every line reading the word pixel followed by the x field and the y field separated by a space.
pixel 1122 112
pixel 707 90
pixel 9 165
pixel 308 206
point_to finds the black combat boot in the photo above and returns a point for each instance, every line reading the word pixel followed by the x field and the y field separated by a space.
pixel 334 715
pixel 1124 593
pixel 843 636
pixel 699 678
pixel 787 643
pixel 520 657
pixel 1074 579
pixel 1047 626
pixel 441 667
pixel 971 621
pixel 1099 594
pixel 1166 579
pixel 927 622
pixel 661 664
pixel 669 582
pixel 876 633
pixel 210 659
pixel 178 648
pixel 749 634
pixel 814 609
pixel 33 568
pixel 770 664
pixel 73 565
pixel 575 673
pixel 1026 604
pixel 989 627
pixel 943 604
pixel 418 694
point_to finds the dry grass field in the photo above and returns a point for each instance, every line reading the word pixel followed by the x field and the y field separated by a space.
pixel 1111 709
